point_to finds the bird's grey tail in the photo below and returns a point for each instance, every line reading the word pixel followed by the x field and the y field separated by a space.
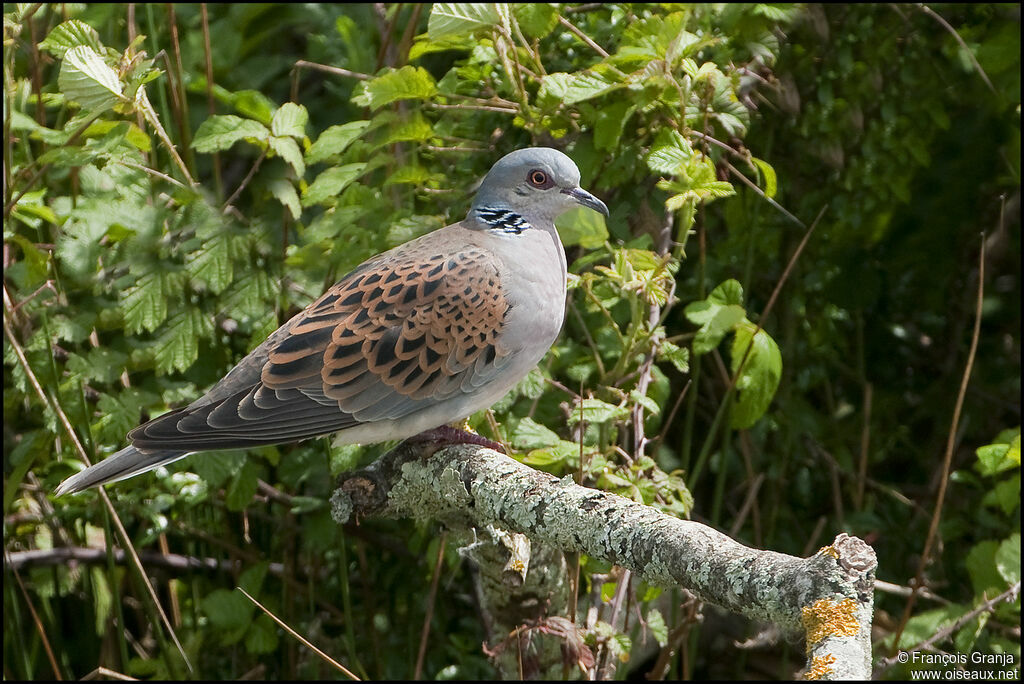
pixel 122 465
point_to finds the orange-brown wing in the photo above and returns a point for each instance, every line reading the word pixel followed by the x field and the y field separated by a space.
pixel 398 334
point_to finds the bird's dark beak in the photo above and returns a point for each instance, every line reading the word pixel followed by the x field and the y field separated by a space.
pixel 586 199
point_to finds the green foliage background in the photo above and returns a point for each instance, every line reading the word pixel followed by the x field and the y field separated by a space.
pixel 310 137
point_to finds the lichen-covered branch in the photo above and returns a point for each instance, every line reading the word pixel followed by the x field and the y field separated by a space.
pixel 827 597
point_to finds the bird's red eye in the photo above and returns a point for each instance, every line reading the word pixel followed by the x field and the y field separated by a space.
pixel 538 178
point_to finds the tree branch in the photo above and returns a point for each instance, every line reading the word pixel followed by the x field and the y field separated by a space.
pixel 828 597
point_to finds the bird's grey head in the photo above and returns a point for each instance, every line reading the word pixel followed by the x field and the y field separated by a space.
pixel 535 183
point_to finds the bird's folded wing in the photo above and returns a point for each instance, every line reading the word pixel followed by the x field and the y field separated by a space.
pixel 401 333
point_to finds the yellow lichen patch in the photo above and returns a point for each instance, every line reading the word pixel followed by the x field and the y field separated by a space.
pixel 820 667
pixel 830 551
pixel 827 618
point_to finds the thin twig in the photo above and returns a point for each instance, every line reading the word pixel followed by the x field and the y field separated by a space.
pixel 38 623
pixel 337 71
pixel 245 181
pixel 341 668
pixel 946 25
pixel 736 172
pixel 108 504
pixel 430 608
pixel 582 36
pixel 947 461
pixel 986 607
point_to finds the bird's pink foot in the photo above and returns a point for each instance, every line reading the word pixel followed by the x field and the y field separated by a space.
pixel 446 434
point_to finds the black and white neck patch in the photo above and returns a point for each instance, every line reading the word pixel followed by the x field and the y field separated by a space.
pixel 502 220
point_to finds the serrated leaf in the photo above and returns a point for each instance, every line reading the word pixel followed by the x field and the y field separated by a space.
pixel 254 105
pixel 595 411
pixel 532 435
pixel 288 149
pixel 70 34
pixel 457 18
pixel 86 79
pixel 178 345
pixel 99 364
pixel 759 377
pixel 331 182
pixel 656 623
pixel 220 132
pixel 645 401
pixel 215 467
pixel 414 129
pixel 406 83
pixel 727 292
pixel 144 306
pixel 587 85
pixel 334 140
pixel 676 355
pixel 212 263
pixel 290 119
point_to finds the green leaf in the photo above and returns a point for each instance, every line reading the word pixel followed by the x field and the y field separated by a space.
pixel 254 105
pixel 215 467
pixel 582 226
pixel 981 566
pixel 611 121
pixel 70 34
pixel 457 18
pixel 306 504
pixel 670 153
pixel 562 88
pixel 228 610
pixel 759 377
pixel 717 315
pixel 414 129
pixel 1007 559
pixel 587 85
pixel 103 599
pixel 406 83
pixel 144 306
pixel 251 580
pixel 262 635
pixel 770 180
pixel 86 79
pixel 99 364
pixel 285 193
pixel 288 149
pixel 331 182
pixel 532 435
pixel 178 345
pixel 676 355
pixel 1003 454
pixel 242 488
pixel 645 401
pixel 536 19
pixel 222 131
pixel 596 411
pixel 334 141
pixel 212 264
pixel 656 623
pixel 290 120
